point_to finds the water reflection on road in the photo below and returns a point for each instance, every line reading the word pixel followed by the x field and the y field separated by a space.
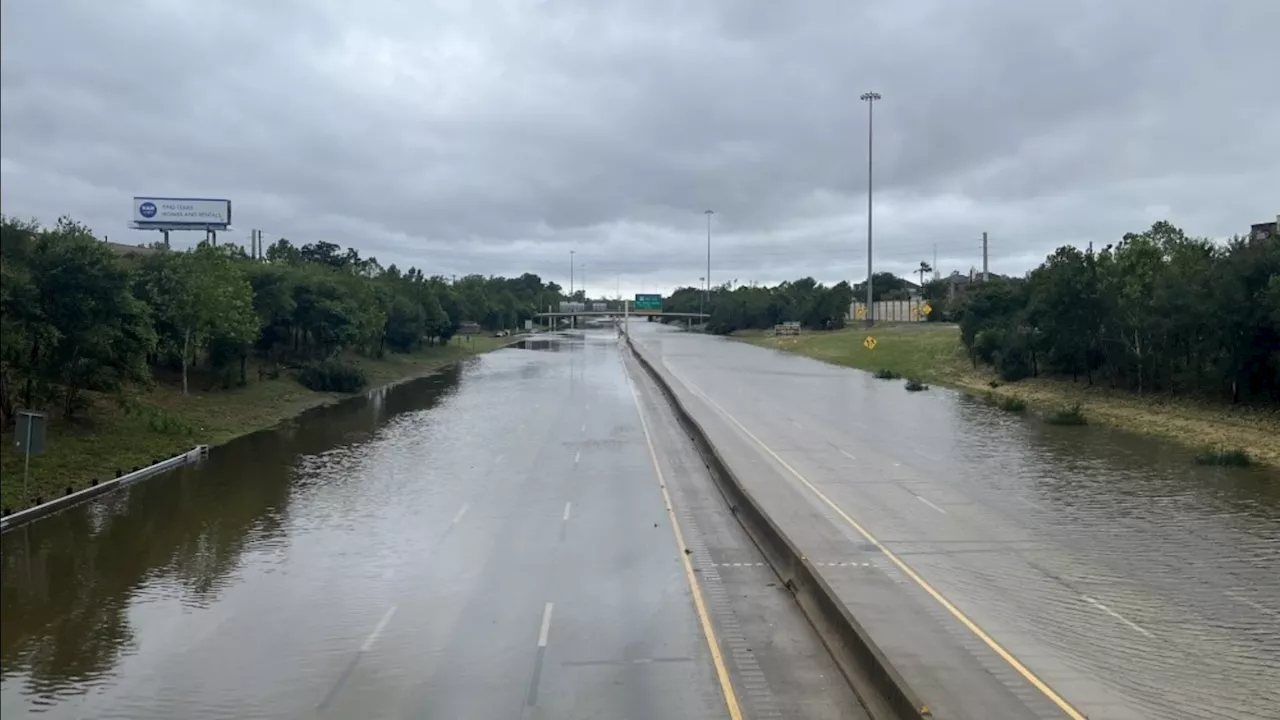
pixel 87 589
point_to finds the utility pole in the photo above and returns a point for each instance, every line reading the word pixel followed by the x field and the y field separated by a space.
pixel 571 316
pixel 870 98
pixel 936 274
pixel 985 275
pixel 706 289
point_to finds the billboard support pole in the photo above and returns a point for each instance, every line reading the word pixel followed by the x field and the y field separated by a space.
pixel 166 239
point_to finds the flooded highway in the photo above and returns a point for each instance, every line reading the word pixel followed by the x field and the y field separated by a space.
pixel 1096 566
pixel 490 542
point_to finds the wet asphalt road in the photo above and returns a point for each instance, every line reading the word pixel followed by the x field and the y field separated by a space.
pixel 1124 580
pixel 491 543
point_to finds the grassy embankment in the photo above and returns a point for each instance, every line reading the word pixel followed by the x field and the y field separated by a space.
pixel 933 353
pixel 160 422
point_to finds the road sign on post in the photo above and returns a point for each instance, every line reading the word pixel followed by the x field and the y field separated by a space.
pixel 30 431
pixel 29 437
pixel 648 303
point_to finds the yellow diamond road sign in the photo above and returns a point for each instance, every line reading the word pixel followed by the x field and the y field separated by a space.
pixel 869 343
pixel 926 308
pixel 861 313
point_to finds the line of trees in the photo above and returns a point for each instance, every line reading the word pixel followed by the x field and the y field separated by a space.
pixel 806 301
pixel 77 316
pixel 1157 312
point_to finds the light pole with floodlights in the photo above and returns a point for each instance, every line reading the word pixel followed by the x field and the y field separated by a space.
pixel 706 288
pixel 870 98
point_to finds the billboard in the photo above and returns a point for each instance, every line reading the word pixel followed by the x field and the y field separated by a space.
pixel 165 213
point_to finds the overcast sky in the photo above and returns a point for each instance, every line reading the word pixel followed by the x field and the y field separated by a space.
pixel 496 136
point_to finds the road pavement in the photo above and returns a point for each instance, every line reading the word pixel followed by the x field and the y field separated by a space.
pixel 1004 575
pixel 508 551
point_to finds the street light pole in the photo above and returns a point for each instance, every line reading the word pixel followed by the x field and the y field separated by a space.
pixel 706 288
pixel 571 316
pixel 870 98
pixel 701 300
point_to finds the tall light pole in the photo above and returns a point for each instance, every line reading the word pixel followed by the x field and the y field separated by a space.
pixel 706 288
pixel 870 98
pixel 571 317
pixel 701 300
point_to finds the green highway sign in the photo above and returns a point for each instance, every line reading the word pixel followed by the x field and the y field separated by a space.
pixel 648 302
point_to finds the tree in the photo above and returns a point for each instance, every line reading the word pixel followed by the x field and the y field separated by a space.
pixel 1157 312
pixel 924 268
pixel 202 295
pixel 883 284
pixel 69 316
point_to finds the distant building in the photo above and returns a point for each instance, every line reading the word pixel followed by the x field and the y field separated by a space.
pixel 1265 231
pixel 957 283
pixel 468 327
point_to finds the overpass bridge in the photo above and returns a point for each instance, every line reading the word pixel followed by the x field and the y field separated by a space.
pixel 619 313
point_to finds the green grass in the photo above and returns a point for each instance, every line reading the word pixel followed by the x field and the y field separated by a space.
pixel 141 426
pixel 1072 415
pixel 1228 458
pixel 932 353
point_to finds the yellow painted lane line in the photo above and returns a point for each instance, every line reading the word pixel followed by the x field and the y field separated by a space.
pixel 708 630
pixel 973 627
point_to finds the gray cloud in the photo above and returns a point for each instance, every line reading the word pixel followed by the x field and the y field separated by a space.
pixel 495 137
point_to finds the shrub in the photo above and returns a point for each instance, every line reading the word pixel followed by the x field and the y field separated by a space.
pixel 1067 416
pixel 1013 362
pixel 1229 458
pixel 884 374
pixel 1011 404
pixel 987 344
pixel 332 376
pixel 914 385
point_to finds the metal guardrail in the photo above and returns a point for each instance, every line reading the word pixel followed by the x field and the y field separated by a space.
pixel 884 692
pixel 29 515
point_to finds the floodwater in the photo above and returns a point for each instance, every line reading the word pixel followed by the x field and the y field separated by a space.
pixel 1135 581
pixel 489 542
pixel 266 580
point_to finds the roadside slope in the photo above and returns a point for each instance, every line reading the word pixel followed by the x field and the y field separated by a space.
pixel 144 425
pixel 932 352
